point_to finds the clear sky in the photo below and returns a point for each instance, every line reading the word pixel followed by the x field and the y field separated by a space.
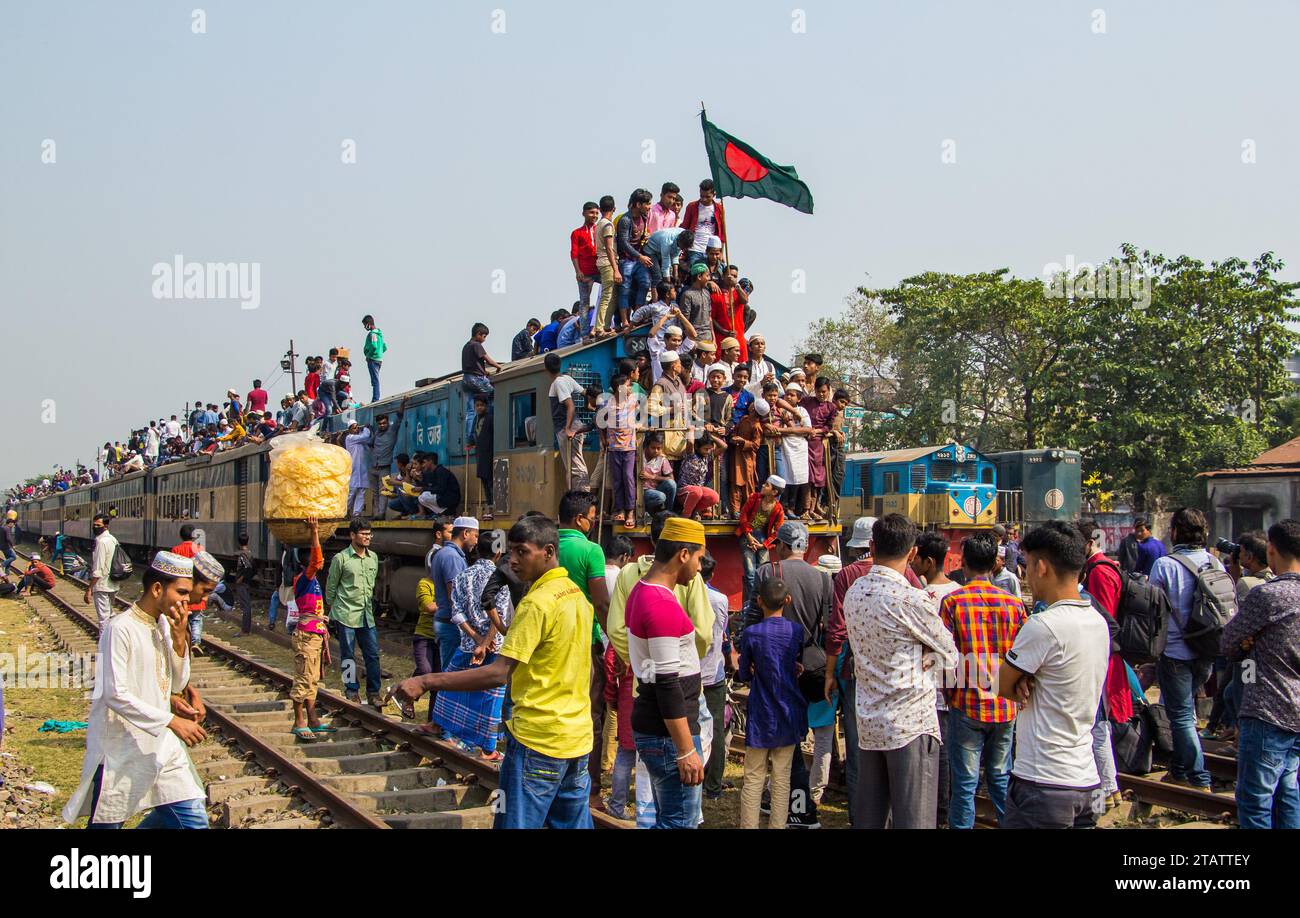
pixel 475 148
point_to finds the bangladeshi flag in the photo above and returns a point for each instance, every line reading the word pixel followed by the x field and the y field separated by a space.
pixel 740 171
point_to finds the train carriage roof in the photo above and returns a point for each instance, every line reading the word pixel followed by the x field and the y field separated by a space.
pixel 911 454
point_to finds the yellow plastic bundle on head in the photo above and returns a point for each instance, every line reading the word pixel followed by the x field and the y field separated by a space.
pixel 309 478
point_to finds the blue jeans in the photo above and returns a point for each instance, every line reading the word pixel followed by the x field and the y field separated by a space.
pixel 661 497
pixel 636 283
pixel 196 629
pixel 368 638
pixel 750 559
pixel 538 791
pixel 1267 760
pixel 473 385
pixel 849 703
pixel 1179 680
pixel 272 609
pixel 624 767
pixel 10 558
pixel 967 739
pixel 183 814
pixel 448 642
pixel 676 805
pixel 373 366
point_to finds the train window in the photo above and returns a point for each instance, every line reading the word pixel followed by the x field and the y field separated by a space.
pixel 864 481
pixel 918 477
pixel 891 482
pixel 986 476
pixel 523 419
pixel 212 505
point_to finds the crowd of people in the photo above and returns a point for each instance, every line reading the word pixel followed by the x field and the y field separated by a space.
pixel 210 426
pixel 606 666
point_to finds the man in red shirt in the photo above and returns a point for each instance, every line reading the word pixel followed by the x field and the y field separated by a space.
pixel 37 576
pixel 728 307
pixel 257 397
pixel 582 253
pixel 1101 579
pixel 858 548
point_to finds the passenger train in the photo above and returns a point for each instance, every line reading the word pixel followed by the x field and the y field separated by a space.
pixel 951 487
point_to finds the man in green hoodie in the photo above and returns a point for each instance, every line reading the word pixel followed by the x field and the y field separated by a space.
pixel 374 352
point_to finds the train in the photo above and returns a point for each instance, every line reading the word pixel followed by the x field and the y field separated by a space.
pixel 950 487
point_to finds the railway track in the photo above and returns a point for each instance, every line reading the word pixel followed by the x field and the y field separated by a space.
pixel 375 772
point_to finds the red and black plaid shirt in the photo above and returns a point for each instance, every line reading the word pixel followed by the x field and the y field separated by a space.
pixel 984 621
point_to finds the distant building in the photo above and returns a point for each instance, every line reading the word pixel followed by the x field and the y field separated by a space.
pixel 1257 495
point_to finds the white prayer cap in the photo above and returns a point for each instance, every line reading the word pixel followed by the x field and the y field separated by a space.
pixel 715 242
pixel 673 330
pixel 668 357
pixel 764 409
pixel 464 522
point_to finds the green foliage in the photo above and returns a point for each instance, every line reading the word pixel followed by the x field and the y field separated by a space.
pixel 1155 368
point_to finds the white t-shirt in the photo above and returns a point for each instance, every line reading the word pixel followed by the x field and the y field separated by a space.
pixel 794 449
pixel 704 228
pixel 936 592
pixel 172 429
pixel 1066 648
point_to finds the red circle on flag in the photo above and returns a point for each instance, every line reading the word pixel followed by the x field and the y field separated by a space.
pixel 744 166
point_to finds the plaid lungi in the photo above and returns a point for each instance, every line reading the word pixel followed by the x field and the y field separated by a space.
pixel 474 717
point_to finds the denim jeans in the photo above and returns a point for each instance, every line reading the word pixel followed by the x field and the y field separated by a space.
pixel 621 781
pixel 676 805
pixel 1179 680
pixel 1267 761
pixel 968 740
pixel 538 791
pixel 448 642
pixel 636 284
pixel 373 366
pixel 750 560
pixel 273 609
pixel 183 814
pixel 473 385
pixel 661 497
pixel 849 705
pixel 196 629
pixel 586 317
pixel 368 638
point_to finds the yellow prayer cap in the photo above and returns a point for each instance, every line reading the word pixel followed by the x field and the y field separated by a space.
pixel 681 529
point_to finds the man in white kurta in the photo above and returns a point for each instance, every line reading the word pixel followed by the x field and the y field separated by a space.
pixel 135 746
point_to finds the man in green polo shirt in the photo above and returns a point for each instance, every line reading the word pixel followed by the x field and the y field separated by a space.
pixel 543 779
pixel 350 595
pixel 585 562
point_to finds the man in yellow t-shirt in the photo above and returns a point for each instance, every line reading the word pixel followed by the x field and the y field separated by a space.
pixel 546 659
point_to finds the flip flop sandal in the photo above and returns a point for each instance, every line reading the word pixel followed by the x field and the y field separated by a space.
pixel 303 734
pixel 323 729
pixel 491 756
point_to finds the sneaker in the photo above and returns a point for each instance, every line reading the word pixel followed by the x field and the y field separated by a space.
pixel 353 697
pixel 802 821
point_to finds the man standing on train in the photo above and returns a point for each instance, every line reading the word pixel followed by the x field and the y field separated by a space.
pixel 381 458
pixel 101 589
pixel 374 351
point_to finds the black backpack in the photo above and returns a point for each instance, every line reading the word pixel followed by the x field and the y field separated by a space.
pixel 120 568
pixel 1143 616
pixel 1214 602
